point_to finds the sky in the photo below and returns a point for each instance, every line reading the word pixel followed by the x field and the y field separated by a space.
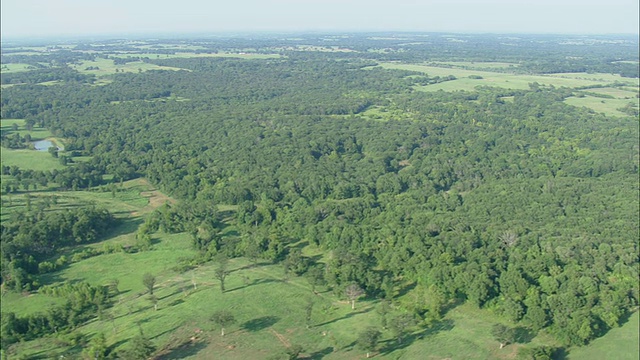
pixel 45 18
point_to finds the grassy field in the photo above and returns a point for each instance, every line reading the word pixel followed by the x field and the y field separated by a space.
pixel 15 67
pixel 28 158
pixel 505 80
pixel 606 106
pixel 474 64
pixel 106 67
pixel 242 55
pixel 620 344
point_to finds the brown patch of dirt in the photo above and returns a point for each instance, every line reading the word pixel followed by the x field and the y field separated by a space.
pixel 155 198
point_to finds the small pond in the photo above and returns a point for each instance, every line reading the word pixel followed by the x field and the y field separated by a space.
pixel 43 145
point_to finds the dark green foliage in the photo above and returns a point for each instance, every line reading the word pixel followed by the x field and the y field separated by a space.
pixel 368 339
pixel 294 351
pixel 503 334
pixel 149 281
pixel 140 348
pixel 223 319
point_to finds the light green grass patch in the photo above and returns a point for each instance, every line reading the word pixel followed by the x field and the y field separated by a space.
pixel 30 159
pixel 619 93
pixel 600 105
pixel 15 67
pixel 185 55
pixel 476 65
pixel 103 67
pixel 504 80
pixel 621 344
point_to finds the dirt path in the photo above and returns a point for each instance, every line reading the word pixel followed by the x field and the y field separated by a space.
pixel 282 339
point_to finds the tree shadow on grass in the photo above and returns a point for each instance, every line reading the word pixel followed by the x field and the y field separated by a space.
pixel 523 335
pixel 393 344
pixel 260 323
pixel 318 355
pixel 183 351
pixel 351 314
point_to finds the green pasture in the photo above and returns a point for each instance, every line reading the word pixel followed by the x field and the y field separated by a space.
pixel 15 67
pixel 475 64
pixel 504 80
pixel 621 344
pixel 182 55
pixel 37 133
pixel 29 159
pixel 107 67
pixel 600 105
pixel 617 92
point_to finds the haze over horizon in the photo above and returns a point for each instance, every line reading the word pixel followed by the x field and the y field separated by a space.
pixel 41 18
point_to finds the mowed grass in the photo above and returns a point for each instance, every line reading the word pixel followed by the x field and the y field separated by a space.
pixel 621 344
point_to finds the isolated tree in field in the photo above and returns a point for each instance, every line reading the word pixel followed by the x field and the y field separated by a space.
pixel 223 319
pixel 368 340
pixel 503 334
pixel 221 271
pixel 149 281
pixel 353 292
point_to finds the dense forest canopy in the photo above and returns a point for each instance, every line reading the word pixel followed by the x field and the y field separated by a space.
pixel 509 199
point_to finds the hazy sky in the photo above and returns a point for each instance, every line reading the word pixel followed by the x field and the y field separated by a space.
pixel 91 17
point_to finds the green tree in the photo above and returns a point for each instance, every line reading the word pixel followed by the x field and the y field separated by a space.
pixel 368 340
pixel 221 270
pixel 149 281
pixel 141 348
pixel 223 319
pixel 503 334
pixel 97 348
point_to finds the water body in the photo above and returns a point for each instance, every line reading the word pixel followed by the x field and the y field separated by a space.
pixel 44 145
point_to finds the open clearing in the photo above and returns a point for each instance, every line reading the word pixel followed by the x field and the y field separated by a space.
pixel 504 80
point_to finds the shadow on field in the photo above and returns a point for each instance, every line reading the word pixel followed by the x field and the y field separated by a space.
pixel 260 323
pixel 523 335
pixel 393 344
pixel 189 349
pixel 123 227
pixel 317 355
pixel 255 282
pixel 351 314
